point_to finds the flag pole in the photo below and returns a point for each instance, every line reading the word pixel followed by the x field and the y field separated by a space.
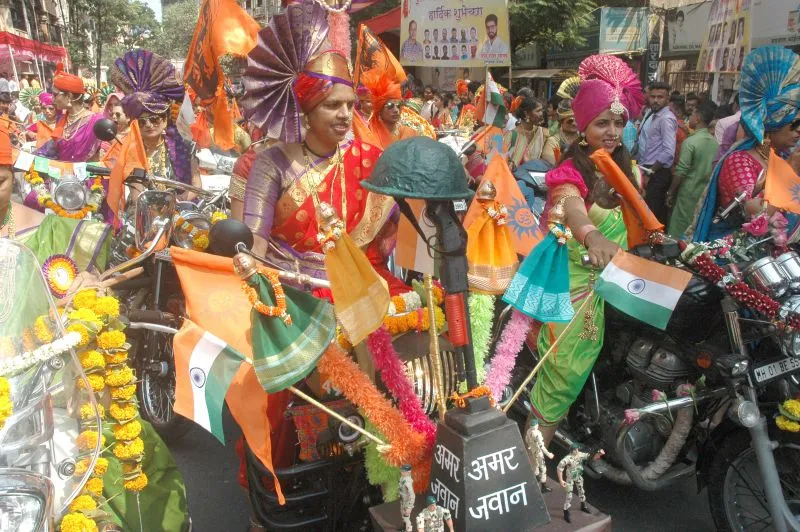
pixel 535 370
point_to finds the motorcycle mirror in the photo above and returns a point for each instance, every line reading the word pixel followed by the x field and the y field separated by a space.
pixel 154 212
pixel 105 129
pixel 224 236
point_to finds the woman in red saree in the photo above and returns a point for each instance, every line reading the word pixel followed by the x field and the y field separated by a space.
pixel 288 180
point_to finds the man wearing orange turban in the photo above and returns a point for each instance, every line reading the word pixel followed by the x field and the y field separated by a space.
pixel 386 101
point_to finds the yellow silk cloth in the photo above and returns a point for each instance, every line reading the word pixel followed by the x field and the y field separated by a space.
pixel 490 253
pixel 360 295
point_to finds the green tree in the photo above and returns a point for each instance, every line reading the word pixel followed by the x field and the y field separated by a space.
pixel 106 27
pixel 178 23
pixel 549 23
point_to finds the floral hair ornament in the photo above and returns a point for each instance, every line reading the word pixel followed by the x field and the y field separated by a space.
pixel 59 271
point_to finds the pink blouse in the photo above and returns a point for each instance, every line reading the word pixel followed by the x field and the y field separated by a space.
pixel 739 172
pixel 564 174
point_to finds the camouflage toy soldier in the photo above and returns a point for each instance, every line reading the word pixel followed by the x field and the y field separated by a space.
pixel 572 466
pixel 537 451
pixel 407 497
pixel 433 517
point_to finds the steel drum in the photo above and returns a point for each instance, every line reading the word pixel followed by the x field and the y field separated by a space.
pixel 790 263
pixel 766 275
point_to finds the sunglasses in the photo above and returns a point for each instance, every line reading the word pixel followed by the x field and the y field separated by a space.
pixel 117 115
pixel 153 120
pixel 393 105
pixel 570 121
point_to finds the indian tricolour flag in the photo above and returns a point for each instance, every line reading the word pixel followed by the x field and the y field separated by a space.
pixel 491 109
pixel 204 368
pixel 641 288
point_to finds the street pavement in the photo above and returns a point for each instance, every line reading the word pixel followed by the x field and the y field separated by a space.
pixel 218 504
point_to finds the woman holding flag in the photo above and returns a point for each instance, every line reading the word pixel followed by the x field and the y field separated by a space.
pixel 583 200
pixel 769 98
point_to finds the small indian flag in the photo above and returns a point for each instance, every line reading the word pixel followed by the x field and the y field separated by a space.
pixel 491 109
pixel 204 368
pixel 641 288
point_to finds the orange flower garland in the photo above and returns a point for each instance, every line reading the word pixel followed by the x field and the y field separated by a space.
pixel 408 446
pixel 417 320
pixel 278 311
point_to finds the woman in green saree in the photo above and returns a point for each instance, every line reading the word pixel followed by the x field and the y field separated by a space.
pixel 581 199
pixel 163 504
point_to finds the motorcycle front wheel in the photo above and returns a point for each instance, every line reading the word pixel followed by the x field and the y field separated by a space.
pixel 736 490
pixel 155 369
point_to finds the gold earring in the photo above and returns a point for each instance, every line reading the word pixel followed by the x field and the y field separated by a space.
pixel 583 142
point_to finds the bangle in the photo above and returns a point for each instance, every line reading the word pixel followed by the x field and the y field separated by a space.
pixel 583 232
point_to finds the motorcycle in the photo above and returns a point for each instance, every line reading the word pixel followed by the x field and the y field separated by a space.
pixel 41 467
pixel 695 399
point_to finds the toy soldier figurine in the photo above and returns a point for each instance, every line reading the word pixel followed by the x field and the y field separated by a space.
pixel 407 496
pixel 537 451
pixel 573 464
pixel 433 517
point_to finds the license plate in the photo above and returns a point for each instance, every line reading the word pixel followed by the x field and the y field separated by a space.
pixel 460 205
pixel 774 370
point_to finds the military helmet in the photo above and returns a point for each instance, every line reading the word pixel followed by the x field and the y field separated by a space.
pixel 430 500
pixel 419 168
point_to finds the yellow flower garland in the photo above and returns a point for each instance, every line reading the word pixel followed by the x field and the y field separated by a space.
pixel 106 306
pixel 42 330
pixel 6 406
pixel 127 450
pixel 417 320
pixel 120 377
pixel 92 360
pixel 128 431
pixel 87 440
pixel 123 411
pixel 77 522
pixel 84 299
pixel 86 315
pixel 83 503
pixel 789 418
pixel 111 340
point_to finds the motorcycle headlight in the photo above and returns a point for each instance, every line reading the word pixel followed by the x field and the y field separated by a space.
pixel 22 511
pixel 70 194
pixel 187 225
pixel 746 413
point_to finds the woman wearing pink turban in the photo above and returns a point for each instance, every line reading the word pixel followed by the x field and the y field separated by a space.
pixel 582 200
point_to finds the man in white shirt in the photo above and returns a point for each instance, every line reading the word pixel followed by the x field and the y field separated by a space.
pixel 13 86
pixel 493 47
pixel 724 123
pixel 4 82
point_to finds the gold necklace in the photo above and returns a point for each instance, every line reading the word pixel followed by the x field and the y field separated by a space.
pixel 763 150
pixel 8 221
pixel 337 172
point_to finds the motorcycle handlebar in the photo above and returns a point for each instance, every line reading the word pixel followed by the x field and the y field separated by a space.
pixel 98 170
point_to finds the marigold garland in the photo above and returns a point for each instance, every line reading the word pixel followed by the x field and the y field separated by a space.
pixel 106 306
pixel 789 418
pixel 94 487
pixel 6 406
pixel 88 411
pixel 128 431
pixel 85 298
pixel 123 393
pixel 83 503
pixel 42 330
pixel 277 311
pixel 77 522
pixel 417 320
pixel 123 411
pixel 127 450
pixel 111 340
pixel 44 199
pixel 408 446
pixel 87 440
pixel 120 377
pixel 92 359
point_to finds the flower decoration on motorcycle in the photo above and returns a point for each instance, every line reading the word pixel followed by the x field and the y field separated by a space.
pixel 6 406
pixel 45 200
pixel 789 416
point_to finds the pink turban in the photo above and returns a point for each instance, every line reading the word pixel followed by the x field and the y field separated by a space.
pixel 606 83
pixel 46 99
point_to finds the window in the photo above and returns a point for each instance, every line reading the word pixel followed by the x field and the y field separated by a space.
pixel 18 15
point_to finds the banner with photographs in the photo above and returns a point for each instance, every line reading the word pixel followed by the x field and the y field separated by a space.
pixel 686 27
pixel 463 33
pixel 727 38
pixel 775 22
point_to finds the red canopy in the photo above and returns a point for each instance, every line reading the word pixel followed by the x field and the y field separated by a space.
pixel 30 49
pixel 389 21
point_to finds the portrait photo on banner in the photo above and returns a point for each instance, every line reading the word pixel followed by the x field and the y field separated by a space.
pixel 727 37
pixel 448 33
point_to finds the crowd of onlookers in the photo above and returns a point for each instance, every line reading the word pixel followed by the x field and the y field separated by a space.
pixel 676 141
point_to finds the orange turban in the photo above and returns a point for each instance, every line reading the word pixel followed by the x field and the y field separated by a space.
pixel 462 87
pixel 5 145
pixel 383 88
pixel 67 82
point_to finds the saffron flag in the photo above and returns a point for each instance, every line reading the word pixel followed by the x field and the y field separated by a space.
pixel 216 302
pixel 782 187
pixel 372 53
pixel 524 225
pixel 204 369
pixel 639 219
pixel 491 108
pixel 223 27
pixel 641 288
pixel 131 156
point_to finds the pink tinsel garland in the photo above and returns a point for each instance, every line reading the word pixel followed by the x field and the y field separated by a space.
pixel 505 356
pixel 393 375
pixel 339 32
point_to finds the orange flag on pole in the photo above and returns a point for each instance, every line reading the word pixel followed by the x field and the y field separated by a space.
pixel 523 223
pixel 782 187
pixel 216 302
pixel 131 155
pixel 372 54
